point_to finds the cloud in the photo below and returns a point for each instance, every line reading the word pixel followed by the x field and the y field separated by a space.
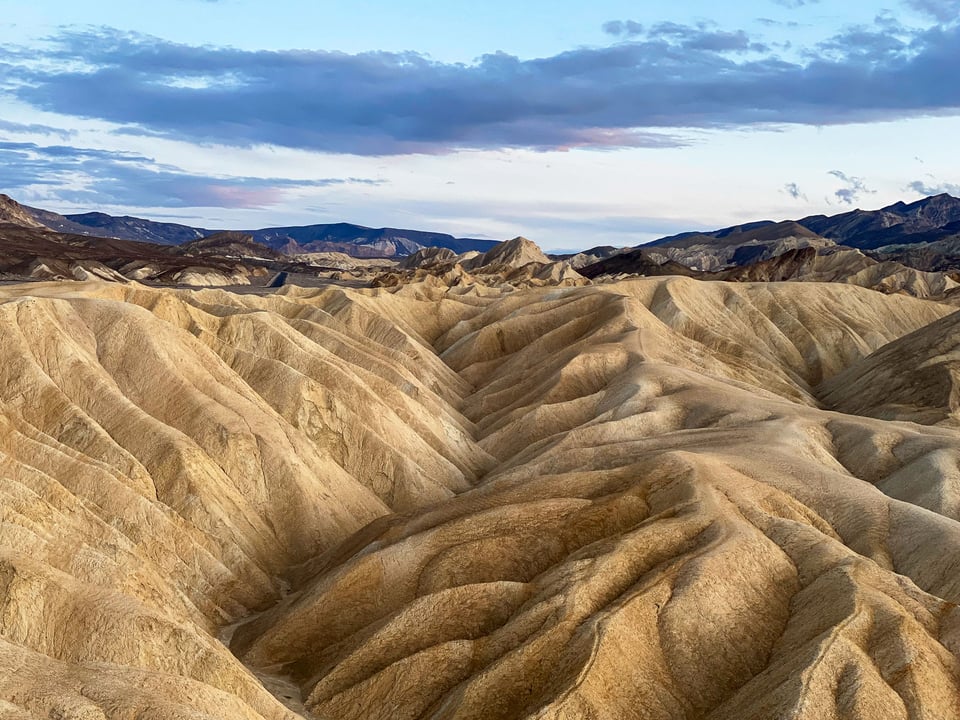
pixel 942 10
pixel 647 91
pixel 853 189
pixel 35 129
pixel 103 177
pixel 794 4
pixel 793 190
pixel 623 28
pixel 933 187
pixel 704 37
pixel 770 22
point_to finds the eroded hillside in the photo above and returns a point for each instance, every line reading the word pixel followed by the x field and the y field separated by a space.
pixel 645 499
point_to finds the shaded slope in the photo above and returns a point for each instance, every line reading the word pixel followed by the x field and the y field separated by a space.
pixel 914 378
pixel 639 262
pixel 735 246
pixel 843 265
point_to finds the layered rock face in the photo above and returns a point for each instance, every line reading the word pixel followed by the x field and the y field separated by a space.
pixel 649 499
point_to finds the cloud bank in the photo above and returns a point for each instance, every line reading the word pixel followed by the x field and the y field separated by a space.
pixel 646 90
pixel 933 187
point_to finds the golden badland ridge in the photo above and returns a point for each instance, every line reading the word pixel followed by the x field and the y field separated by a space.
pixel 660 498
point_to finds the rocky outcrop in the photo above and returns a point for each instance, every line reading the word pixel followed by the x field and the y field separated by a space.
pixel 13 213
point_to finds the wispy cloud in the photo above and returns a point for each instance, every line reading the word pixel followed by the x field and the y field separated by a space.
pixel 853 187
pixel 931 186
pixel 645 91
pixel 35 129
pixel 104 177
pixel 623 28
pixel 794 4
pixel 942 10
pixel 794 191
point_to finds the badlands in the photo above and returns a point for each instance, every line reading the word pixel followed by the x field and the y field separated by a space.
pixel 655 498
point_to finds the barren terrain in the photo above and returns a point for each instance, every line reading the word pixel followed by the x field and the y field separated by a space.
pixel 659 498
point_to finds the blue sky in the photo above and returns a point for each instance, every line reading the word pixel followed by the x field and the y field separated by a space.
pixel 575 124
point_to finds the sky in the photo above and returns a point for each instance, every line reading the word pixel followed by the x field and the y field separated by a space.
pixel 574 124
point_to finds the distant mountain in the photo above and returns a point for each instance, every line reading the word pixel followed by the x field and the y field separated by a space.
pixel 134 228
pixel 60 223
pixel 836 264
pixel 589 256
pixel 636 262
pixel 228 244
pixel 923 234
pixel 354 240
pixel 360 241
pixel 733 246
pixel 923 221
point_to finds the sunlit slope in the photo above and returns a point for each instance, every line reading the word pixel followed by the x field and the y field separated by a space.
pixel 166 458
pixel 664 537
pixel 602 502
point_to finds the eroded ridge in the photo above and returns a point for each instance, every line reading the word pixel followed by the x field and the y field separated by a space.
pixel 627 501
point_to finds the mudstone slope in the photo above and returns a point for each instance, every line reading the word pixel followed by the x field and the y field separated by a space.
pixel 648 499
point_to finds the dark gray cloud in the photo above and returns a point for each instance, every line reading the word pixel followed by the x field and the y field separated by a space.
pixel 107 177
pixel 931 186
pixel 794 191
pixel 637 92
pixel 942 10
pixel 853 187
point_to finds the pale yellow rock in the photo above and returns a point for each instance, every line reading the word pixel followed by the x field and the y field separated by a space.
pixel 659 498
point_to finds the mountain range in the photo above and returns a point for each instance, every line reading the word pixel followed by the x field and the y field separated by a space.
pixel 913 248
pixel 901 229
pixel 355 240
pixel 924 235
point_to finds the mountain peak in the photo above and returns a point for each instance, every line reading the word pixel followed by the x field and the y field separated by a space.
pixel 14 213
pixel 516 253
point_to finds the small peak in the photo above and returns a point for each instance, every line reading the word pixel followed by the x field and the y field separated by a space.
pixel 516 253
pixel 14 213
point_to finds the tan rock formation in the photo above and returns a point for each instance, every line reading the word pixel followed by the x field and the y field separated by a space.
pixel 510 254
pixel 428 256
pixel 14 213
pixel 620 501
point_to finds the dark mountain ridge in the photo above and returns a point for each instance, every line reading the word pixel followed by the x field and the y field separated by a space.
pixel 926 220
pixel 920 234
pixel 355 240
pixel 365 241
